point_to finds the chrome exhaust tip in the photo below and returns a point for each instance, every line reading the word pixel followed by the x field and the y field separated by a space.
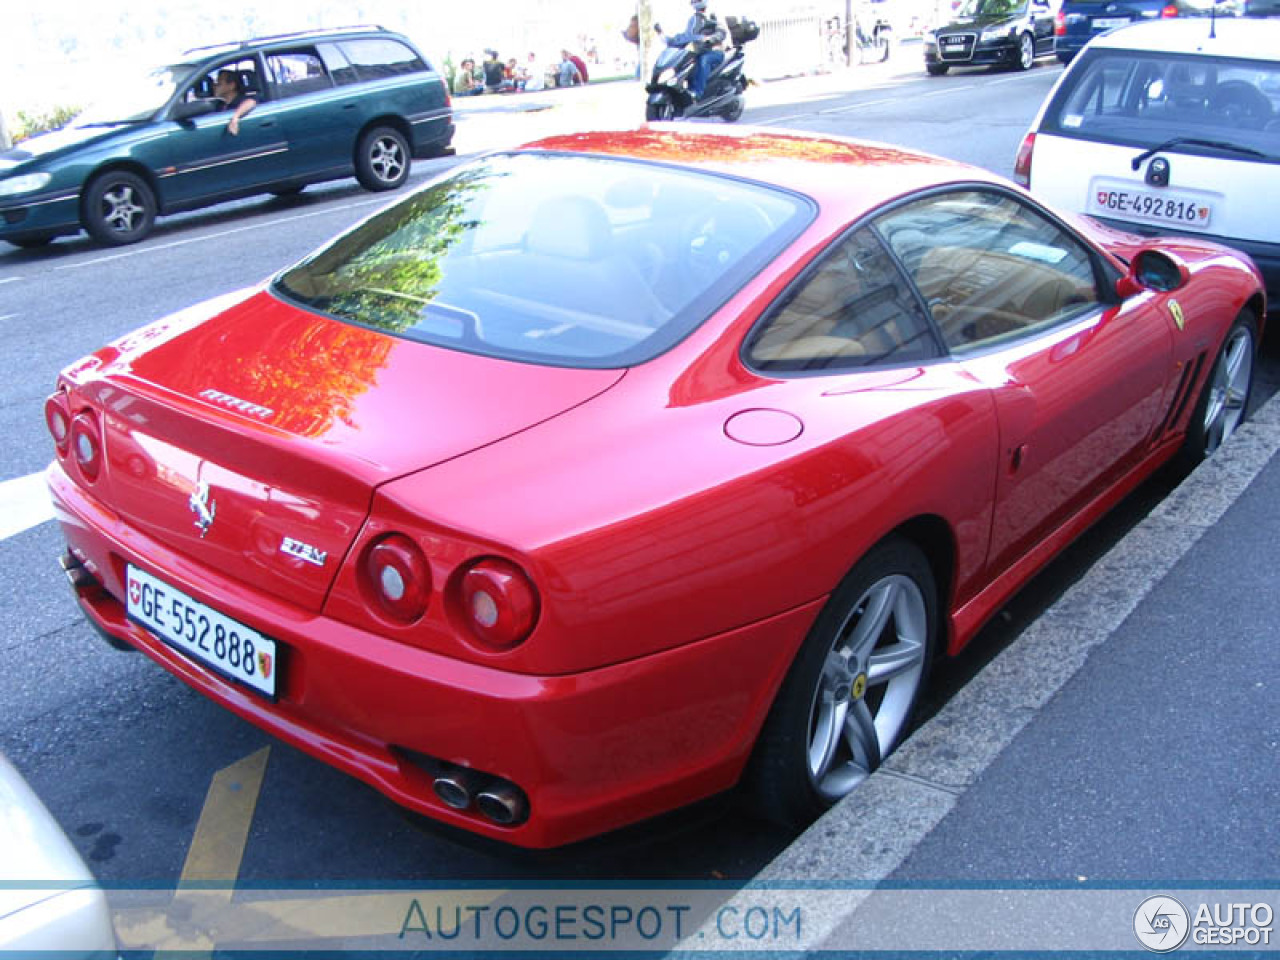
pixel 503 803
pixel 456 787
pixel 74 568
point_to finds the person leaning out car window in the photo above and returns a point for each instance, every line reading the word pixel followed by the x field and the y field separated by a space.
pixel 229 90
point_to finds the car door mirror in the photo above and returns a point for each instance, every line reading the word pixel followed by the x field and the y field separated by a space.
pixel 195 108
pixel 1152 270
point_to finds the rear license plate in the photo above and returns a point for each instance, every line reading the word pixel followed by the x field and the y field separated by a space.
pixel 1172 209
pixel 202 633
pixel 1108 23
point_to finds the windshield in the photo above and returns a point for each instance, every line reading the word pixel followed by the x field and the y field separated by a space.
pixel 558 259
pixel 991 8
pixel 135 96
pixel 1148 99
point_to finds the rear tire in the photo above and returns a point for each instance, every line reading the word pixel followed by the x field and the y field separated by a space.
pixel 852 689
pixel 382 159
pixel 734 113
pixel 1223 403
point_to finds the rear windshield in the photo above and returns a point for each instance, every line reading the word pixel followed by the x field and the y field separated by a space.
pixel 558 259
pixel 1149 99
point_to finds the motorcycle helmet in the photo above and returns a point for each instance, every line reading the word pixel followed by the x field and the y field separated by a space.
pixel 699 5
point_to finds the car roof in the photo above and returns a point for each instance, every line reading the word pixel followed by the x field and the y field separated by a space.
pixel 1247 39
pixel 839 173
pixel 325 33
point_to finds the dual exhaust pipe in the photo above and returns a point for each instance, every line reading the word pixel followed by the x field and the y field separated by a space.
pixel 497 800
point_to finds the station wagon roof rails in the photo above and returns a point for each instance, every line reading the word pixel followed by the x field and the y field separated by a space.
pixel 295 35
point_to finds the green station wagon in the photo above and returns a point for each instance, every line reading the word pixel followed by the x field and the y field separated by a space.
pixel 330 104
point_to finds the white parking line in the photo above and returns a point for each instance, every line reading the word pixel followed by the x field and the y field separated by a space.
pixel 24 503
pixel 10 279
pixel 214 236
pixel 7 316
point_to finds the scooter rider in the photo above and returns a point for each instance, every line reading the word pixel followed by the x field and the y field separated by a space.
pixel 704 29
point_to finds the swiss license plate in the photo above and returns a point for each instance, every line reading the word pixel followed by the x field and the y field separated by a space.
pixel 201 632
pixel 1172 209
pixel 1108 23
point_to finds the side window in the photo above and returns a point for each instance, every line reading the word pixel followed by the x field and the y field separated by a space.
pixel 202 88
pixel 990 268
pixel 375 57
pixel 340 69
pixel 291 73
pixel 855 310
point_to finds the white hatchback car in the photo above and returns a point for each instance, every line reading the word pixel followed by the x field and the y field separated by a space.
pixel 1169 126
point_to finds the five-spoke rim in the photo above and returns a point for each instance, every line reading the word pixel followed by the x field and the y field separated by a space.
pixel 386 159
pixel 867 685
pixel 1229 391
pixel 121 210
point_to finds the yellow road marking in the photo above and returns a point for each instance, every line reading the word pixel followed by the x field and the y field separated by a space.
pixel 217 848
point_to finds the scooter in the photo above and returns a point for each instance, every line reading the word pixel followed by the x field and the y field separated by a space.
pixel 669 95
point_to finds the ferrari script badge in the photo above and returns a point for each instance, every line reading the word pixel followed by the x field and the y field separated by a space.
pixel 1175 311
pixel 203 507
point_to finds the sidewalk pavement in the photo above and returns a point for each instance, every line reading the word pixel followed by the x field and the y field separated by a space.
pixel 1129 738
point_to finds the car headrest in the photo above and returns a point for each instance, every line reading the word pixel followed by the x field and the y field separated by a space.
pixel 574 228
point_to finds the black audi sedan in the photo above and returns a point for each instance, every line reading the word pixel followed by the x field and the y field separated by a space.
pixel 992 33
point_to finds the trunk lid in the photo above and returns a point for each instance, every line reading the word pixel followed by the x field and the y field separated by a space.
pixel 252 440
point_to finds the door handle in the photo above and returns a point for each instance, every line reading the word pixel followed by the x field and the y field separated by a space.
pixel 348 106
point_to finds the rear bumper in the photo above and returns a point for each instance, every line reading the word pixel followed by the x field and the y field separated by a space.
pixel 593 751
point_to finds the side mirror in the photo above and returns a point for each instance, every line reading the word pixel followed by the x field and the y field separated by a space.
pixel 1155 270
pixel 195 108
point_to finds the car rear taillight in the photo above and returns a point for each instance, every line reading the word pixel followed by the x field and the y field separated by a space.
pixel 398 578
pixel 1169 11
pixel 499 603
pixel 1022 165
pixel 57 416
pixel 1060 25
pixel 86 445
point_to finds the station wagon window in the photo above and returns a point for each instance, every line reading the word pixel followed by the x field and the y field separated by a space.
pixel 339 67
pixel 291 73
pixel 247 69
pixel 990 268
pixel 1145 99
pixel 375 57
pixel 854 310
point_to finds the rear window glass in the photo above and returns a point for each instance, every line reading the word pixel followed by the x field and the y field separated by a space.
pixel 1148 99
pixel 375 57
pixel 564 260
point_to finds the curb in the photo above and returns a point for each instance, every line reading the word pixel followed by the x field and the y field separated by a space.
pixel 862 840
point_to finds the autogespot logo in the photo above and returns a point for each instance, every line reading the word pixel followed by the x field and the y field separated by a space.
pixel 1161 924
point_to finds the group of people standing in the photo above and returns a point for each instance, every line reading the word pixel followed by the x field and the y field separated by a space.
pixel 495 76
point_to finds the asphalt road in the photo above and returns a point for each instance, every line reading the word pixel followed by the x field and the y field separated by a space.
pixel 123 754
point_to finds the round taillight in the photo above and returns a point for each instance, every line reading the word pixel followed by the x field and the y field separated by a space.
pixel 398 576
pixel 499 603
pixel 58 418
pixel 86 445
pixel 1169 12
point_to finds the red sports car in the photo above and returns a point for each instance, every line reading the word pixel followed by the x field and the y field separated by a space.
pixel 600 475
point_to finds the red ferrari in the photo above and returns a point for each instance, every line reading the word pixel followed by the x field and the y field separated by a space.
pixel 604 474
